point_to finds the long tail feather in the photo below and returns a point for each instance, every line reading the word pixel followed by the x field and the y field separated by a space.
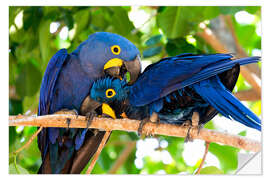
pixel 213 92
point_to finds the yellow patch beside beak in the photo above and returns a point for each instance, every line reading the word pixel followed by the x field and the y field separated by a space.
pixel 115 62
pixel 106 109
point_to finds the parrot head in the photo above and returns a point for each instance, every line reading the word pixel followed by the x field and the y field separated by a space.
pixel 110 54
pixel 110 92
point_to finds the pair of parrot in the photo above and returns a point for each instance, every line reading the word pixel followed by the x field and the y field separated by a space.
pixel 103 76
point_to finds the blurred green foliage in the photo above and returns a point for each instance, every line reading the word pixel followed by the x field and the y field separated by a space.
pixel 36 33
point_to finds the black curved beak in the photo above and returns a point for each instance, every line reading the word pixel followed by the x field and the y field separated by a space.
pixel 118 68
pixel 134 68
pixel 89 105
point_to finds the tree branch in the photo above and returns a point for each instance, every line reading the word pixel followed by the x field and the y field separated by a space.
pixel 215 42
pixel 123 157
pixel 254 68
pixel 204 157
pixel 129 125
pixel 28 142
pixel 247 95
pixel 100 147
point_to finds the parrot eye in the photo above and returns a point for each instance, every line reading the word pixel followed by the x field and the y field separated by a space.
pixel 116 49
pixel 110 93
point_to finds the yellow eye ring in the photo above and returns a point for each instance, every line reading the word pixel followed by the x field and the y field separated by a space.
pixel 110 93
pixel 116 49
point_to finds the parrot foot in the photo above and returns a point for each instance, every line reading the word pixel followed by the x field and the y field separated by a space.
pixel 188 138
pixel 192 125
pixel 89 117
pixel 142 123
pixel 154 119
pixel 68 111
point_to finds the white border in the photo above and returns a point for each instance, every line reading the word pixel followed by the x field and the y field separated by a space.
pixel 265 74
pixel 136 2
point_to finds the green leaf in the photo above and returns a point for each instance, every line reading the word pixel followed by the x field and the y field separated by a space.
pixel 211 170
pixel 15 107
pixel 30 102
pixel 179 45
pixel 12 135
pixel 51 13
pixel 230 9
pixel 246 30
pixel 133 136
pixel 227 156
pixel 120 21
pixel 44 39
pixel 68 19
pixel 153 166
pixel 29 131
pixel 28 81
pixel 17 169
pixel 104 160
pixel 152 51
pixel 127 76
pixel 170 22
pixel 98 19
pixel 209 125
pixel 243 133
pixel 31 18
pixel 180 21
pixel 234 9
pixel 129 165
pixel 240 84
pixel 253 9
pixel 153 40
pixel 82 20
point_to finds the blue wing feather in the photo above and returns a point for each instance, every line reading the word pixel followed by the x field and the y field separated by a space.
pixel 209 71
pixel 213 92
pixel 170 74
pixel 46 94
pixel 49 80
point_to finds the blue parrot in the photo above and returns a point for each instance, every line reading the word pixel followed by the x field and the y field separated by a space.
pixel 176 87
pixel 65 88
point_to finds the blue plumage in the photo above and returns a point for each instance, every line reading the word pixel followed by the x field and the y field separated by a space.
pixel 226 104
pixel 66 84
pixel 178 86
pixel 170 74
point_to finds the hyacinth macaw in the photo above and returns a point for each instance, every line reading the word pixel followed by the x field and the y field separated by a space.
pixel 175 87
pixel 65 88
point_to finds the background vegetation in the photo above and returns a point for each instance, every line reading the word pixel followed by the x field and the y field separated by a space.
pixel 36 33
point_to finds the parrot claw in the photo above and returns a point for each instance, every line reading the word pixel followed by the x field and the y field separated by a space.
pixel 193 124
pixel 142 123
pixel 89 117
pixel 188 138
pixel 154 119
